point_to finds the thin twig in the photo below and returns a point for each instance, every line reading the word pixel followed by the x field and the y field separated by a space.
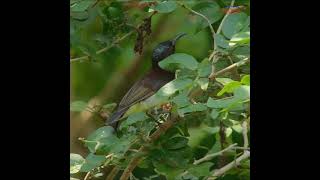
pixel 104 49
pixel 245 134
pixel 229 68
pixel 208 157
pixel 87 176
pixel 245 155
pixel 213 56
pixel 224 169
pixel 201 15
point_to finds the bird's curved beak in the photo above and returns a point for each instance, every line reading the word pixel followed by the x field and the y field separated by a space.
pixel 174 40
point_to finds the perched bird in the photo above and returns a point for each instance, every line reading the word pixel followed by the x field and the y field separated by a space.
pixel 149 84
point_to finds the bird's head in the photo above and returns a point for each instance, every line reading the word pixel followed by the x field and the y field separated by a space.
pixel 164 49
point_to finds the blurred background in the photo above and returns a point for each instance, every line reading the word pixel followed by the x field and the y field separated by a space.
pixel 110 75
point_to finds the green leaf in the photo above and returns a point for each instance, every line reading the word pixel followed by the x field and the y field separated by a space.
pixel 100 133
pixel 209 9
pixel 174 86
pixel 219 103
pixel 242 92
pixel 110 106
pixel 98 138
pixel 76 161
pixel 81 5
pixel 192 108
pixel 203 83
pixel 211 130
pixel 201 169
pixel 122 146
pixel 186 73
pixel 237 128
pixel 92 161
pixel 234 23
pixel 167 171
pixel 240 38
pixel 165 7
pixel 78 106
pixel 241 52
pixel 182 100
pixel 221 41
pixel 176 159
pixel 204 68
pixel 224 81
pixel 229 88
pixel 176 143
pixel 179 61
pixel 246 80
pixel 228 131
pixel 214 114
pixel 134 118
pixel 103 145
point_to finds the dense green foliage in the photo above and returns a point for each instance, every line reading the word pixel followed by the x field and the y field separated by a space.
pixel 210 106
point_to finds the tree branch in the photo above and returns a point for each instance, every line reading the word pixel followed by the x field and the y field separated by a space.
pixel 112 44
pixel 221 171
pixel 136 160
pixel 208 157
pixel 229 68
pixel 106 48
pixel 245 155
pixel 87 176
pixel 112 173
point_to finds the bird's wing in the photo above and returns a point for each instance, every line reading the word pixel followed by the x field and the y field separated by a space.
pixel 138 92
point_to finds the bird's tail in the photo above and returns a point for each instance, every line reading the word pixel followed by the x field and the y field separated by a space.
pixel 114 118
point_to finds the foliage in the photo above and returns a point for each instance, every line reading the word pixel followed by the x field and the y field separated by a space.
pixel 214 107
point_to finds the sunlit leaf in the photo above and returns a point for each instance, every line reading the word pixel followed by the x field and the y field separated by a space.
pixel 76 161
pixel 240 38
pixel 246 80
pixel 203 83
pixel 229 88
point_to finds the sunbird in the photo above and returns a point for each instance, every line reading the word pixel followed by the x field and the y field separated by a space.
pixel 150 83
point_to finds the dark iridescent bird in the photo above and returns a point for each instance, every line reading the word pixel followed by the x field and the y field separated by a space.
pixel 149 84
